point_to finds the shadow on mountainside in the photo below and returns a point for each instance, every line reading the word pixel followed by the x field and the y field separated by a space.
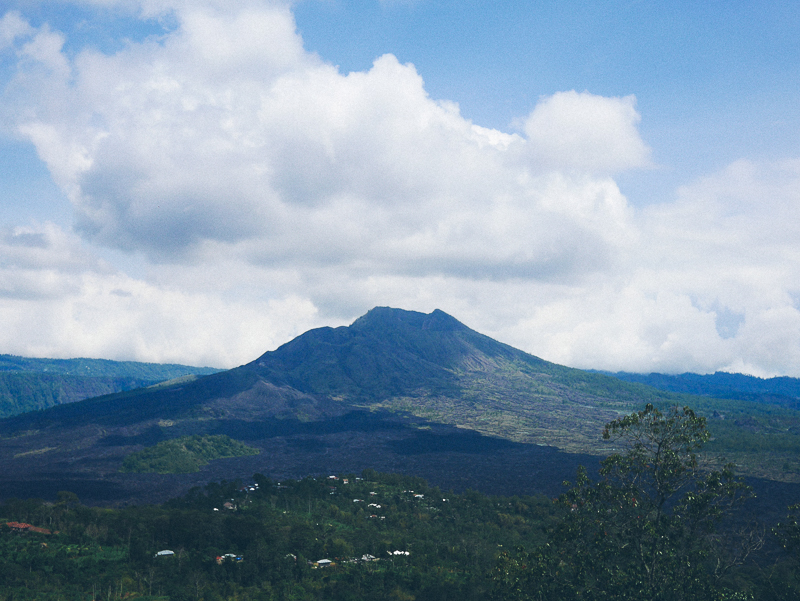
pixel 449 457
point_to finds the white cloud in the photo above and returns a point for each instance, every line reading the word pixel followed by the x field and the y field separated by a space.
pixel 45 50
pixel 227 133
pixel 710 284
pixel 58 300
pixel 269 193
pixel 41 262
pixel 12 26
pixel 586 132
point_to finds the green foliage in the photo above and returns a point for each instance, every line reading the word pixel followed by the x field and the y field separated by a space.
pixel 26 391
pixel 779 578
pixel 644 530
pixel 185 454
pixel 279 530
pixel 788 532
pixel 660 453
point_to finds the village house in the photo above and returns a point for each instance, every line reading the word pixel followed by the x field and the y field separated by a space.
pixel 22 527
pixel 322 563
pixel 229 557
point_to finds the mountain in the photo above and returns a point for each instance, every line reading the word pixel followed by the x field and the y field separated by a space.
pixel 394 391
pixel 28 384
pixel 782 391
pixel 429 366
pixel 435 367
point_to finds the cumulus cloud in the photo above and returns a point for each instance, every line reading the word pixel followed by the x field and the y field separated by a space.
pixel 57 299
pixel 268 192
pixel 710 284
pixel 586 132
pixel 228 133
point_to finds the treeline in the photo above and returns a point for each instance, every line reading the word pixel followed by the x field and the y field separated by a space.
pixel 275 534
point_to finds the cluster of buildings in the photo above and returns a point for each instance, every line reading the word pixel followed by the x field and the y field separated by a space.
pixel 366 558
pixel 220 559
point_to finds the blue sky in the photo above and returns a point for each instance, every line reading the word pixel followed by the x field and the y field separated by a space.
pixel 713 80
pixel 609 185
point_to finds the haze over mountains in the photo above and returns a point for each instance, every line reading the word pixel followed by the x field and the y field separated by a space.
pixel 395 391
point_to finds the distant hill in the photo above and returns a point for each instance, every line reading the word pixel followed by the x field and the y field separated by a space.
pixel 394 391
pixel 782 391
pixel 28 384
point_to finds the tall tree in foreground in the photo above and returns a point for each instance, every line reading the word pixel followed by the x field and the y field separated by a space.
pixel 783 578
pixel 644 530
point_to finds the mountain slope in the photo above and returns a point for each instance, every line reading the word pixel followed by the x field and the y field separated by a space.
pixel 385 353
pixel 431 366
pixel 782 391
pixel 101 368
pixel 435 367
pixel 396 390
pixel 28 384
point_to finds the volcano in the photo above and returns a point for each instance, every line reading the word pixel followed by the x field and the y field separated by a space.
pixel 395 391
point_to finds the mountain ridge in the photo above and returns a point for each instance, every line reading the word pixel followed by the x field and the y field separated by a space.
pixel 781 390
pixel 396 390
pixel 32 384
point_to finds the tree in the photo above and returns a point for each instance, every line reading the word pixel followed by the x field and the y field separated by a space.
pixel 788 532
pixel 644 530
pixel 784 577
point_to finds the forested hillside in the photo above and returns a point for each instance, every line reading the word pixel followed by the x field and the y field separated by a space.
pixel 777 391
pixel 28 384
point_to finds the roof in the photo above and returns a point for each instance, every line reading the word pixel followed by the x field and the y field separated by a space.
pixel 28 527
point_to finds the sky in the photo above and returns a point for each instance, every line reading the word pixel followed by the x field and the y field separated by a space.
pixel 607 184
